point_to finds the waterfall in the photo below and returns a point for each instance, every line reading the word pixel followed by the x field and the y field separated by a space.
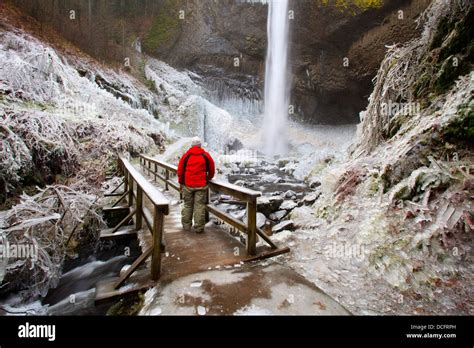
pixel 276 85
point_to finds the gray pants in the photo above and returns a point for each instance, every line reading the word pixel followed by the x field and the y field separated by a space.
pixel 195 200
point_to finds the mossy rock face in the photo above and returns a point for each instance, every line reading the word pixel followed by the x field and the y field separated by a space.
pixel 451 56
pixel 165 30
pixel 458 36
pixel 396 124
pixel 447 74
pixel 127 306
pixel 353 6
pixel 462 129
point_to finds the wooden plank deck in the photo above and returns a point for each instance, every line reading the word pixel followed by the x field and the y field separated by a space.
pixel 188 252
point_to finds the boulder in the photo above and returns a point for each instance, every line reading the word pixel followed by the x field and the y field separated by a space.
pixel 278 215
pixel 268 205
pixel 290 194
pixel 282 226
pixel 288 205
pixel 300 195
pixel 261 219
pixel 276 201
pixel 244 183
pixel 281 237
pixel 309 199
pixel 233 145
pixel 303 217
pixel 239 214
pixel 225 198
pixel 283 162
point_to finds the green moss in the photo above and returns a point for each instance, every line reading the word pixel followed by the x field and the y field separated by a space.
pixel 373 184
pixel 129 305
pixel 422 83
pixel 460 36
pixel 150 84
pixel 320 166
pixel 462 129
pixel 395 124
pixel 441 32
pixel 450 70
pixel 352 6
pixel 452 56
pixel 165 29
pixel 328 212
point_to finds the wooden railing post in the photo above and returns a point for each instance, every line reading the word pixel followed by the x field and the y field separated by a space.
pixel 167 177
pixel 130 189
pixel 156 171
pixel 252 226
pixel 139 203
pixel 125 179
pixel 157 237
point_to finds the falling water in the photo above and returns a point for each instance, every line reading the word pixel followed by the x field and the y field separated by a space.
pixel 276 88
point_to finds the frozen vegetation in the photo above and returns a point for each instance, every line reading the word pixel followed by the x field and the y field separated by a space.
pixel 64 118
pixel 394 220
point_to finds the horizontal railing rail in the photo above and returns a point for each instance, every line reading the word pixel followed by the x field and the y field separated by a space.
pixel 168 174
pixel 137 187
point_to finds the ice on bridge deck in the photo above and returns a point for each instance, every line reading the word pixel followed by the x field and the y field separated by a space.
pixel 189 252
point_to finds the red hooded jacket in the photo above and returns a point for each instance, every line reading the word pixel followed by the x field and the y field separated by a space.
pixel 195 172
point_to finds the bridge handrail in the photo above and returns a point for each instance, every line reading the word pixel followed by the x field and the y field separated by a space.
pixel 155 196
pixel 136 186
pixel 244 194
pixel 240 192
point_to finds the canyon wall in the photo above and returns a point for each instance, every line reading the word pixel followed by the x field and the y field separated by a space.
pixel 335 51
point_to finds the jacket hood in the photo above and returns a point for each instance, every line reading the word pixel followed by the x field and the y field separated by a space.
pixel 196 150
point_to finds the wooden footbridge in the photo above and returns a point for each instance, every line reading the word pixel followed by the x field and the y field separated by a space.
pixel 169 252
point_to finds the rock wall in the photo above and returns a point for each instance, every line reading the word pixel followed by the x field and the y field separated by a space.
pixel 208 36
pixel 327 87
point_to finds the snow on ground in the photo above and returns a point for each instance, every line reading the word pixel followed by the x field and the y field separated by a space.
pixel 407 256
pixel 252 310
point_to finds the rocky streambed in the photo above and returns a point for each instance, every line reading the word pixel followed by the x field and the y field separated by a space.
pixel 282 193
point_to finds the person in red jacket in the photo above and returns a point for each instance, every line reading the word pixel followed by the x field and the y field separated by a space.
pixel 196 167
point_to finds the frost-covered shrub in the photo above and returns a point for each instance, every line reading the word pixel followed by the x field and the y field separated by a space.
pixel 44 224
pixel 35 140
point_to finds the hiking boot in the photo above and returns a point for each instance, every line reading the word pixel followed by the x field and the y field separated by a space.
pixel 198 231
pixel 187 228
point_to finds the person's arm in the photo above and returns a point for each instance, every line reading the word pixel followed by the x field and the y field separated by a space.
pixel 180 169
pixel 212 166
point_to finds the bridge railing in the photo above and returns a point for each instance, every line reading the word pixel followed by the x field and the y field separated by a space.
pixel 168 174
pixel 136 189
